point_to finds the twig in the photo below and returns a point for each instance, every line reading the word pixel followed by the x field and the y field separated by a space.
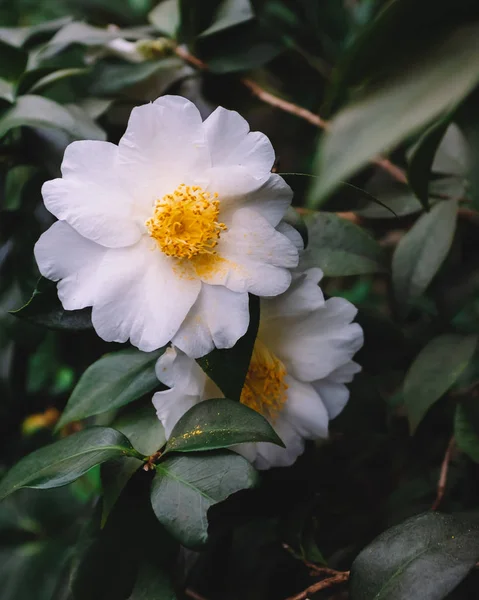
pixel 441 486
pixel 293 109
pixel 192 594
pixel 321 585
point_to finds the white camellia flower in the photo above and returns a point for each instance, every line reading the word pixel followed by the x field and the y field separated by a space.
pixel 301 360
pixel 165 234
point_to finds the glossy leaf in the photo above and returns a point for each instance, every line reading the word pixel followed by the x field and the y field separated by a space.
pixel 152 584
pixel 219 423
pixel 228 368
pixel 144 430
pixel 229 14
pixel 113 381
pixel 64 461
pixel 36 111
pixel 434 371
pixel 421 252
pixel 425 557
pixel 200 480
pixel 166 17
pixel 340 247
pixel 466 428
pixel 422 158
pixel 45 309
pixel 437 80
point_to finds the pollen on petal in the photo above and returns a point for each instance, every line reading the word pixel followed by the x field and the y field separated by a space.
pixel 265 390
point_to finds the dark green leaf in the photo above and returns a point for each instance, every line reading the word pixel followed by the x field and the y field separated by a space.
pixel 340 247
pixel 420 92
pixel 131 537
pixel 219 423
pixel 18 36
pixel 466 428
pixel 36 111
pixel 64 461
pixel 434 372
pixel 425 557
pixel 113 381
pixel 166 17
pixel 54 77
pixel 13 63
pixel 229 14
pixel 421 252
pixel 228 368
pixel 113 78
pixel 45 309
pixel 200 480
pixel 152 584
pixel 422 158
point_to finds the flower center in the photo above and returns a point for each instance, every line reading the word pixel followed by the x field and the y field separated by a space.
pixel 264 388
pixel 185 223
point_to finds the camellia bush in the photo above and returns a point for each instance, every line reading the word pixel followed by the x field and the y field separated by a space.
pixel 239 289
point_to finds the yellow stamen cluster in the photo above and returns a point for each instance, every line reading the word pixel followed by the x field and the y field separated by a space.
pixel 264 389
pixel 185 223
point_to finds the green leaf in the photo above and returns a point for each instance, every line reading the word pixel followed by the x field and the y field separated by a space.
pixel 66 460
pixel 438 79
pixel 166 17
pixel 36 111
pixel 152 584
pixel 424 557
pixel 219 423
pixel 113 381
pixel 18 36
pixel 144 430
pixel 421 252
pixel 15 184
pixel 45 309
pixel 229 14
pixel 200 480
pixel 228 368
pixel 466 428
pixel 434 371
pixel 422 158
pixel 54 77
pixel 113 78
pixel 131 537
pixel 340 247
pixel 13 63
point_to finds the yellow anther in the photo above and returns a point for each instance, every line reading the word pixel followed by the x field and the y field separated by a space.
pixel 264 389
pixel 185 223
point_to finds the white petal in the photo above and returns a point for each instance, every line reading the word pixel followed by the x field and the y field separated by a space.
pixel 313 346
pixel 91 196
pixel 253 257
pixel 238 189
pixel 305 411
pixel 164 146
pixel 218 319
pixel 142 299
pixel 292 234
pixel 63 254
pixel 171 405
pixel 334 395
pixel 231 144
pixel 332 390
pixel 175 369
pixel 303 297
pixel 264 455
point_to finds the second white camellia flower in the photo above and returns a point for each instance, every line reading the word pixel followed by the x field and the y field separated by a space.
pixel 165 234
pixel 301 360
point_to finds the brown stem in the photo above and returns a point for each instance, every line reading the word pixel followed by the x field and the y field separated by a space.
pixel 293 109
pixel 341 577
pixel 441 486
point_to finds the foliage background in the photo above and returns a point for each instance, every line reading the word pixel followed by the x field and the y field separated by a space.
pixel 397 237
